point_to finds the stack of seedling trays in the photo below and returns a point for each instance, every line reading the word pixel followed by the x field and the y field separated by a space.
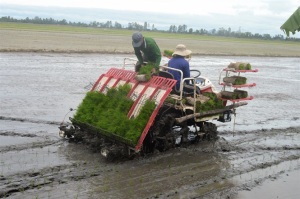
pixel 236 81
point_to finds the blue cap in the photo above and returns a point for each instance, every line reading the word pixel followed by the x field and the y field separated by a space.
pixel 137 39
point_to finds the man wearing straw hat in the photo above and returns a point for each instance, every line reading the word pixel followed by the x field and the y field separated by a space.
pixel 178 61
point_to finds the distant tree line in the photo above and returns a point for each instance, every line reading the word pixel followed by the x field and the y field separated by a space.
pixel 181 29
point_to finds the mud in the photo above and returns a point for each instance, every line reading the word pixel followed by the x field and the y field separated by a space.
pixel 258 156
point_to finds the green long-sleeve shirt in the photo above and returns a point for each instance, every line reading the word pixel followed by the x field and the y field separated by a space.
pixel 150 50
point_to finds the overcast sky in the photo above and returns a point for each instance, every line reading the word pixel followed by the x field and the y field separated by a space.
pixel 263 16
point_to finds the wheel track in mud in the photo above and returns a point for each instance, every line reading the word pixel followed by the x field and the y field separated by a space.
pixel 49 176
pixel 222 185
pixel 42 142
pixel 285 154
pixel 29 120
pixel 256 159
pixel 203 178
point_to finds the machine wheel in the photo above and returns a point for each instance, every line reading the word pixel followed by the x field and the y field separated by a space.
pixel 210 130
pixel 148 145
pixel 166 132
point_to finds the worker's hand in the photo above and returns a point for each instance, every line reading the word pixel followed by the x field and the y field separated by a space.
pixel 137 67
pixel 153 70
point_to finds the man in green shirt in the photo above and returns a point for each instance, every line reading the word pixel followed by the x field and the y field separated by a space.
pixel 146 50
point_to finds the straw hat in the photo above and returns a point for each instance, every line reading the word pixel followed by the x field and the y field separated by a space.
pixel 181 50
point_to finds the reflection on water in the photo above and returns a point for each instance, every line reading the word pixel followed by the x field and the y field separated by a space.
pixel 30 159
pixel 285 185
pixel 265 172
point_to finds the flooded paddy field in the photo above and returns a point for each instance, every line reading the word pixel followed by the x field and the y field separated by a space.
pixel 258 156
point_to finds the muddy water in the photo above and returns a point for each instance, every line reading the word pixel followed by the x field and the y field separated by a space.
pixel 37 91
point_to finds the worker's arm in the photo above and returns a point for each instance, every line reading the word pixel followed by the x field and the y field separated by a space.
pixel 186 71
pixel 138 55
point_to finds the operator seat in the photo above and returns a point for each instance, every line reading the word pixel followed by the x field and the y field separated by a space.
pixel 165 74
pixel 187 90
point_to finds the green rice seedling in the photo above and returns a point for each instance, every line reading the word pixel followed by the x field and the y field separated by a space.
pixel 213 103
pixel 235 80
pixel 87 106
pixel 95 103
pixel 245 66
pixel 235 95
pixel 240 80
pixel 108 113
pixel 248 66
pixel 242 67
pixel 147 70
pixel 138 124
pixel 168 53
pixel 239 94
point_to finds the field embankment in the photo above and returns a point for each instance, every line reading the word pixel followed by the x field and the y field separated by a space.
pixel 19 37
